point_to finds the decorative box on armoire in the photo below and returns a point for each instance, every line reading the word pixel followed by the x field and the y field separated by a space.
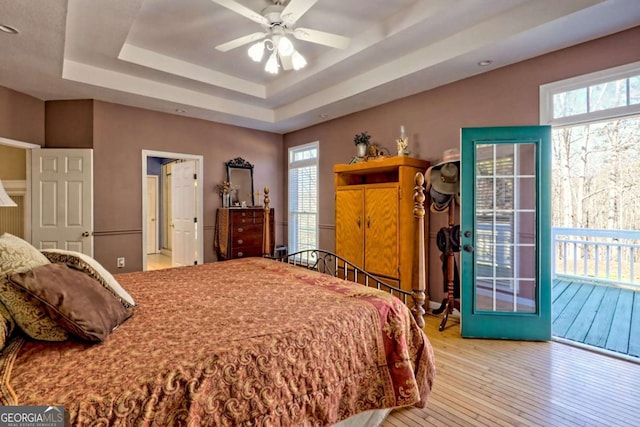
pixel 238 232
pixel 375 227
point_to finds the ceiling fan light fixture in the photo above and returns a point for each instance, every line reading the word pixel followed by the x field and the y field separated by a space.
pixel 285 47
pixel 272 66
pixel 256 51
pixel 298 60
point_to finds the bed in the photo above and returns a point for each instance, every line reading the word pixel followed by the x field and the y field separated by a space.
pixel 244 342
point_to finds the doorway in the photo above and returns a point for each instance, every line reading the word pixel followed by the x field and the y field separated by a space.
pixel 16 180
pixel 158 255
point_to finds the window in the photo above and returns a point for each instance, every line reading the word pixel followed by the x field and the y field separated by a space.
pixel 303 197
pixel 593 97
pixel 596 170
pixel 596 148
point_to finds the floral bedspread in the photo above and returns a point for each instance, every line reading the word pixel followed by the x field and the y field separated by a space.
pixel 248 342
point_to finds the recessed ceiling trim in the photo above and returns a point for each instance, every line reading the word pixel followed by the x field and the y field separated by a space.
pixel 515 20
pixel 167 64
pixel 401 21
pixel 88 74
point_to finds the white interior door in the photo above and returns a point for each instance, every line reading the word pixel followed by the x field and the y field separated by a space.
pixel 183 190
pixel 167 235
pixel 152 214
pixel 62 199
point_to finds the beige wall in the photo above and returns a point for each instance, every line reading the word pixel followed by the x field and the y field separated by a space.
pixel 120 134
pixel 21 117
pixel 506 96
pixel 13 163
pixel 69 124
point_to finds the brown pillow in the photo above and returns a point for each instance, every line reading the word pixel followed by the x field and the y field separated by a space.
pixel 17 256
pixel 93 268
pixel 77 302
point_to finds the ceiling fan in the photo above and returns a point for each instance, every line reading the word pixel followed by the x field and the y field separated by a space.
pixel 278 22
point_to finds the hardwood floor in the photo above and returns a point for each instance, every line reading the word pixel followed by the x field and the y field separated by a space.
pixel 158 261
pixel 514 383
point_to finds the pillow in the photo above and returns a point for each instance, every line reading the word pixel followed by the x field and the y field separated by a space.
pixel 7 325
pixel 17 256
pixel 93 268
pixel 76 301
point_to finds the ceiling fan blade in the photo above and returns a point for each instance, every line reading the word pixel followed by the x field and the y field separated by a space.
pixel 241 41
pixel 242 10
pixel 295 9
pixel 320 37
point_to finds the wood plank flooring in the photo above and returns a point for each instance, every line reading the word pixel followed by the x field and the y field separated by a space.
pixel 514 383
pixel 603 316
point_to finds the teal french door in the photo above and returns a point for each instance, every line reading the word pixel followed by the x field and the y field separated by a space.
pixel 506 232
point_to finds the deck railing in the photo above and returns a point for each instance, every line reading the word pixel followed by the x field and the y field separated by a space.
pixel 610 256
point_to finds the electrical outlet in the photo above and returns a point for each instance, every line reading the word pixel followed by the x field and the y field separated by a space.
pixel 120 262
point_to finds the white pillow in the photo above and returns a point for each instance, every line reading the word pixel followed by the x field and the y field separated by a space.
pixel 93 268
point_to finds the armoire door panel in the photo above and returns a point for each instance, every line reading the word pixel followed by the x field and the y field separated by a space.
pixel 381 230
pixel 349 225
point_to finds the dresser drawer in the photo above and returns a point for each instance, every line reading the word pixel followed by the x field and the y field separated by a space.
pixel 247 217
pixel 246 252
pixel 240 234
pixel 241 230
pixel 244 240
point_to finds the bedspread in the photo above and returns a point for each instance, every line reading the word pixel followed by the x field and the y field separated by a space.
pixel 238 343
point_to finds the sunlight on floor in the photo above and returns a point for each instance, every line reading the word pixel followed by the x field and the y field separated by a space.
pixel 158 261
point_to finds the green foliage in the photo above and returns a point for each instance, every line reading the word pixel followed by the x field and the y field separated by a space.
pixel 362 138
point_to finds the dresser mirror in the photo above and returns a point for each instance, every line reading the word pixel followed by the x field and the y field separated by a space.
pixel 240 177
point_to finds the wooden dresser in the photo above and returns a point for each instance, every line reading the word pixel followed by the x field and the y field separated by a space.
pixel 238 232
pixel 374 217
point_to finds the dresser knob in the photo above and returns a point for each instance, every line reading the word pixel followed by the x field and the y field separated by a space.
pixel 240 254
pixel 240 229
pixel 240 241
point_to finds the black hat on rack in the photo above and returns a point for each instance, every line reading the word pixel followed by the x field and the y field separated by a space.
pixel 445 175
pixel 439 201
pixel 443 181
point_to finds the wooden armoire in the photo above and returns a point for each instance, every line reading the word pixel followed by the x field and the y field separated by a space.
pixel 374 216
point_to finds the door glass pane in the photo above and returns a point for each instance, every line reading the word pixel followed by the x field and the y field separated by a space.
pixel 505 256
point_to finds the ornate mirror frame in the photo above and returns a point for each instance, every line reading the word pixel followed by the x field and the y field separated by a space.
pixel 240 176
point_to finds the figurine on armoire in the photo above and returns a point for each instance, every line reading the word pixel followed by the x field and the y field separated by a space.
pixel 443 184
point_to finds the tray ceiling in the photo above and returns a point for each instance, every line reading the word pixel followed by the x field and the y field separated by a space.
pixel 160 55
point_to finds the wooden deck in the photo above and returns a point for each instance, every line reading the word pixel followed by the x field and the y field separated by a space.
pixel 516 383
pixel 602 316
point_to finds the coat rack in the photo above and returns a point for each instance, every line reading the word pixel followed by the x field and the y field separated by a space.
pixel 449 303
pixel 444 183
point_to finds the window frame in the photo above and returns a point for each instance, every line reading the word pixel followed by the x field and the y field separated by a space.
pixel 291 227
pixel 547 91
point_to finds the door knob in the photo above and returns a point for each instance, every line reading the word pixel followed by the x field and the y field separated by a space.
pixel 468 248
pixel 86 234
